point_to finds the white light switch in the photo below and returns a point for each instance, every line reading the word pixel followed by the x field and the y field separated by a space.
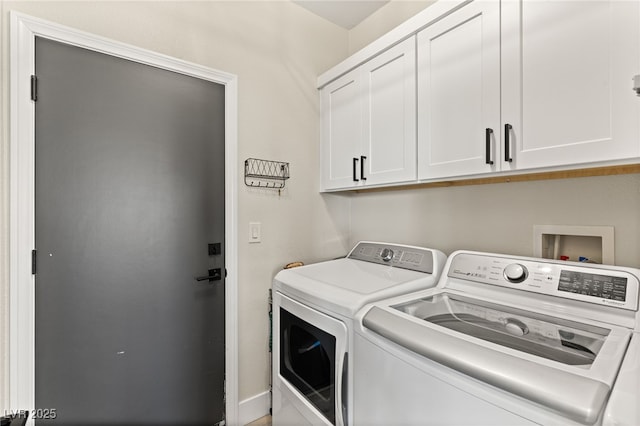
pixel 254 232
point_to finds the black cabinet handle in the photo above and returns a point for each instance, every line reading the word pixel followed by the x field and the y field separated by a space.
pixel 355 165
pixel 507 143
pixel 487 153
pixel 362 158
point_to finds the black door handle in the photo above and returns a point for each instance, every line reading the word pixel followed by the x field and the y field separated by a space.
pixel 362 158
pixel 214 275
pixel 355 165
pixel 507 142
pixel 487 155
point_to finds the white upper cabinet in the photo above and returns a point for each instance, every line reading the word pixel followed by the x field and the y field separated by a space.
pixel 486 87
pixel 390 115
pixel 561 97
pixel 567 69
pixel 459 93
pixel 368 122
pixel 341 131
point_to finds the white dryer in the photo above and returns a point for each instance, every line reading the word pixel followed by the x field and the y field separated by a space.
pixel 313 310
pixel 503 340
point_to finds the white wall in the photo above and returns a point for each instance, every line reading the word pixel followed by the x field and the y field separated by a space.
pixel 277 49
pixel 384 20
pixel 500 217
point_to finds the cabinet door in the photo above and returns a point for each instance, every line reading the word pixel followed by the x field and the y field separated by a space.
pixel 341 139
pixel 459 93
pixel 390 115
pixel 567 70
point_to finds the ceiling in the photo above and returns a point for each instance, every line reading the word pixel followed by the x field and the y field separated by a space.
pixel 345 13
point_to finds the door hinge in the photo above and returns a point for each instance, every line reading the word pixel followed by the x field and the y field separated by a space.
pixel 33 262
pixel 34 88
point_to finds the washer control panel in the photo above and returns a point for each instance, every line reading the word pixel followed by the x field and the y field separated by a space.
pixel 406 257
pixel 605 285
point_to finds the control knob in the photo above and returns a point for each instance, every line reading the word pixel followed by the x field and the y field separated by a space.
pixel 387 254
pixel 515 273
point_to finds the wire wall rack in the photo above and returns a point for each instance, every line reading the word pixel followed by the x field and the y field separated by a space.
pixel 265 174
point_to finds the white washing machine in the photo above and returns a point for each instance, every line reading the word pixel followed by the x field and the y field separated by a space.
pixel 313 310
pixel 503 340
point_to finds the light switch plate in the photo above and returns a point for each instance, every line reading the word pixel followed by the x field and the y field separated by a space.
pixel 255 232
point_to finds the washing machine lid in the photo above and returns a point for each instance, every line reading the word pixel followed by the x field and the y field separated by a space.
pixel 345 285
pixel 556 339
pixel 567 366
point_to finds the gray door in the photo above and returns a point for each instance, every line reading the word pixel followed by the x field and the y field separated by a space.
pixel 129 198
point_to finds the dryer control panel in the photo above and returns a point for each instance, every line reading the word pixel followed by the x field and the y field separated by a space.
pixel 601 284
pixel 407 257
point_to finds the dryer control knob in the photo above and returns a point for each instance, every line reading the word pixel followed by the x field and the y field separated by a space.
pixel 515 273
pixel 387 254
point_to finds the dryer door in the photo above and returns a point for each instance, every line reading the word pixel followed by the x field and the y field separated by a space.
pixel 311 356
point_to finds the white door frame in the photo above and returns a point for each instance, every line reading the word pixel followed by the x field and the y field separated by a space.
pixel 23 31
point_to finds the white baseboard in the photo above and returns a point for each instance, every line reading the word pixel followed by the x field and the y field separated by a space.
pixel 255 407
